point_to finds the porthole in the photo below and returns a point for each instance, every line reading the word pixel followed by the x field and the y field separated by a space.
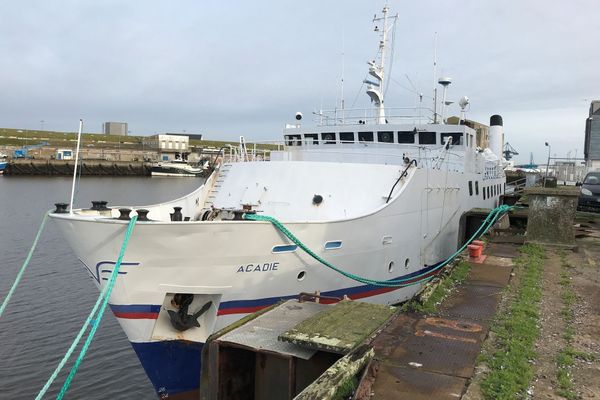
pixel 301 276
pixel 406 263
pixel 390 266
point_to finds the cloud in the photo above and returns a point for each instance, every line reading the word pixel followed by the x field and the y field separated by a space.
pixel 227 69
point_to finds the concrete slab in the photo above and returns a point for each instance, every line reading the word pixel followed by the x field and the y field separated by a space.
pixel 339 328
pixel 506 250
pixel 409 383
pixel 472 301
pixel 490 275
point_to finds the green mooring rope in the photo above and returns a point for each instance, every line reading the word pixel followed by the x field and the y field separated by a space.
pixel 93 320
pixel 491 218
pixel 25 264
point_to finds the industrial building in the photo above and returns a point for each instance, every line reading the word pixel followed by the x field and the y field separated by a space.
pixel 169 146
pixel 115 128
pixel 591 147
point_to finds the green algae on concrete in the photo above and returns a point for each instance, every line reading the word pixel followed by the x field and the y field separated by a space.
pixel 339 328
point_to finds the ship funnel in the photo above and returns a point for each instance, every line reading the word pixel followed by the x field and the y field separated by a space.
pixel 496 136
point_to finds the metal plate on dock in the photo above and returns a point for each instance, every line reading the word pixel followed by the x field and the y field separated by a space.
pixel 262 332
pixel 443 345
pixel 410 383
pixel 472 301
pixel 490 274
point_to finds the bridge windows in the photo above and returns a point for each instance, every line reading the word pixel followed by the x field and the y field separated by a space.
pixel 457 137
pixel 470 188
pixel 293 140
pixel 385 137
pixel 346 137
pixel 311 138
pixel 476 188
pixel 365 136
pixel 406 136
pixel 427 137
pixel 328 137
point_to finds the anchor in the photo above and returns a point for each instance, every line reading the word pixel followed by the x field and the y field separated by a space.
pixel 180 319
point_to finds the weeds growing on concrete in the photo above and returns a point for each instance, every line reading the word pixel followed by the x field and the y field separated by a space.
pixel 458 274
pixel 516 331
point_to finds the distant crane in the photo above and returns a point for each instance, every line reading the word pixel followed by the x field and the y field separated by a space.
pixel 509 151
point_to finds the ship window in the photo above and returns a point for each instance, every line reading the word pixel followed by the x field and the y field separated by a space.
pixel 333 245
pixel 483 193
pixel 470 188
pixel 488 192
pixel 456 138
pixel 346 136
pixel 406 137
pixel 328 137
pixel 476 188
pixel 426 137
pixel 284 248
pixel 292 140
pixel 311 138
pixel 365 136
pixel 385 137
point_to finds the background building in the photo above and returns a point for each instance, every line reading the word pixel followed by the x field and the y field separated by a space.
pixel 115 128
pixel 169 146
pixel 591 146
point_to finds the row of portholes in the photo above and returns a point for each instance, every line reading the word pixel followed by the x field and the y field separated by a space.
pixel 302 274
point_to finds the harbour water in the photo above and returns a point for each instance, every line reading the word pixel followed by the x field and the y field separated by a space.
pixel 56 294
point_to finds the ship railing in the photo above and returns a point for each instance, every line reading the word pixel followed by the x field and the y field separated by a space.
pixel 360 116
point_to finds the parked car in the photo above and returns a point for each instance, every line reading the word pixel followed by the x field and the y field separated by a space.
pixel 589 196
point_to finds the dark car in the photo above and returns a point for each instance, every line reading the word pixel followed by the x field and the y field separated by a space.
pixel 589 196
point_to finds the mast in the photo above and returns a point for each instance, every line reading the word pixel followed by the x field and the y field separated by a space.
pixel 375 89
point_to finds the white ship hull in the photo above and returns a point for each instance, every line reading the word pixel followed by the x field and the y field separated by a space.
pixel 233 263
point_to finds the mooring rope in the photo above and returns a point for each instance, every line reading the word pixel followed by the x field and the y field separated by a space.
pixel 25 264
pixel 491 218
pixel 93 320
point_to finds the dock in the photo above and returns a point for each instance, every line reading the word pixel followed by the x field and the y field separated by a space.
pixel 88 167
pixel 521 320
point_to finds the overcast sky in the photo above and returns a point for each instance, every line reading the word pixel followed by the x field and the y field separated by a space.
pixel 226 69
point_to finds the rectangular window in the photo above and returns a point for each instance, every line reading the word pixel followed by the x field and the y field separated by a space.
pixel 488 192
pixel 328 137
pixel 311 138
pixel 346 136
pixel 406 137
pixel 456 138
pixel 476 188
pixel 470 188
pixel 483 192
pixel 427 137
pixel 293 140
pixel 385 137
pixel 365 136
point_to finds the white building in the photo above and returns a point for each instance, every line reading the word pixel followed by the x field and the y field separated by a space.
pixel 168 145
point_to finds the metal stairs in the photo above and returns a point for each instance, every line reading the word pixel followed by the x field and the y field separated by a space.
pixel 216 187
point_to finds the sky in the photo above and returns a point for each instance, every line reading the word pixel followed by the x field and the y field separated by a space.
pixel 226 69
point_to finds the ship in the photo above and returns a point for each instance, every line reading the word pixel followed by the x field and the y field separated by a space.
pixel 375 192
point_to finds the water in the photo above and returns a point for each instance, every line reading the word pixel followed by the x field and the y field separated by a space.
pixel 56 295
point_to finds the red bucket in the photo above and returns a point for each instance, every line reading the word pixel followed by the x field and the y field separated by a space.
pixel 475 250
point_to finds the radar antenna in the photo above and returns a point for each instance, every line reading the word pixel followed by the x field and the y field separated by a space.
pixel 375 89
